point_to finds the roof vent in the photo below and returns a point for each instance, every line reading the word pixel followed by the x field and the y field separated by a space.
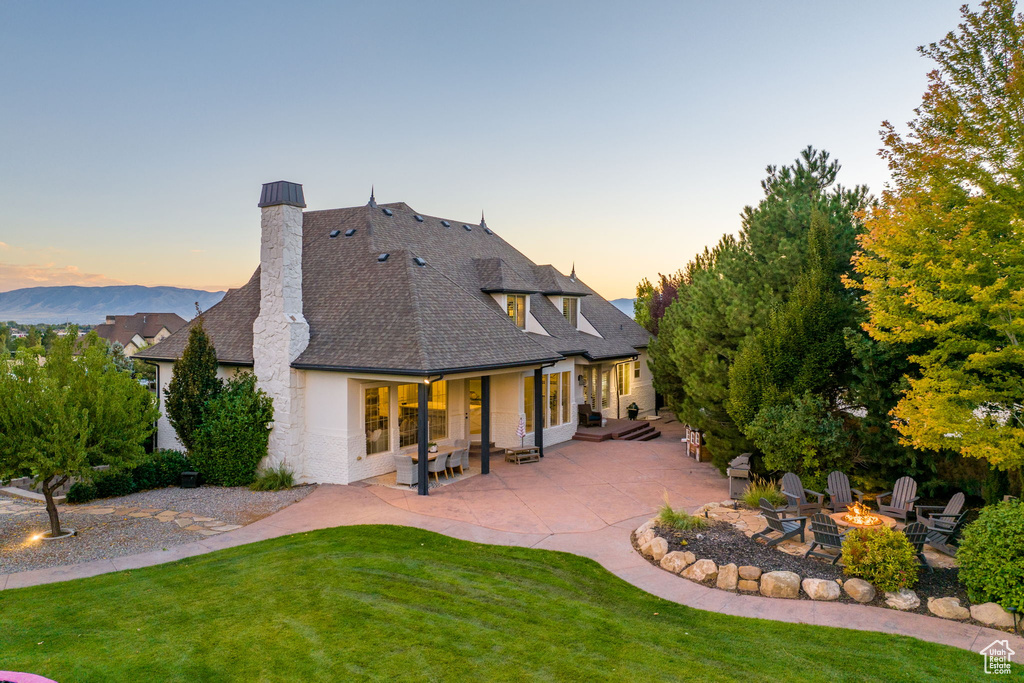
pixel 468 228
pixel 350 232
pixel 446 224
pixel 335 233
pixel 382 258
pixel 419 218
pixel 387 212
pixel 419 261
pixel 488 231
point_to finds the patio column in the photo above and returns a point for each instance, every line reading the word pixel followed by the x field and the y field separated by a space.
pixel 538 411
pixel 422 435
pixel 485 424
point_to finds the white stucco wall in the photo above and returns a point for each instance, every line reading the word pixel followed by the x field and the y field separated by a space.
pixel 165 434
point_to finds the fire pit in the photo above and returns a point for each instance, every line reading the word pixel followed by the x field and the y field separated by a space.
pixel 860 517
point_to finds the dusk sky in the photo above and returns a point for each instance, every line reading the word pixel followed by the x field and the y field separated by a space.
pixel 624 137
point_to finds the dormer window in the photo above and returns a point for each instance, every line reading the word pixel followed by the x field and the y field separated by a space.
pixel 571 309
pixel 516 306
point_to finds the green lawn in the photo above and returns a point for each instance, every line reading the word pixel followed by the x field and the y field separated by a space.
pixel 394 603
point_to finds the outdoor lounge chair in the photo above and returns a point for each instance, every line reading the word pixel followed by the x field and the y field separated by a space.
pixel 787 527
pixel 840 495
pixel 945 537
pixel 439 464
pixel 796 495
pixel 917 533
pixel 826 535
pixel 405 470
pixel 901 499
pixel 930 514
pixel 588 418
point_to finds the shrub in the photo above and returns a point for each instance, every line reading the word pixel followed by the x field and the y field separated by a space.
pixel 111 484
pixel 233 437
pixel 991 555
pixel 162 468
pixel 681 520
pixel 274 479
pixel 81 492
pixel 759 488
pixel 883 557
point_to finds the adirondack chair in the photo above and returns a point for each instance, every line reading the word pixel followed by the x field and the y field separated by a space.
pixel 826 535
pixel 917 534
pixel 946 538
pixel 796 495
pixel 901 499
pixel 840 495
pixel 930 515
pixel 787 527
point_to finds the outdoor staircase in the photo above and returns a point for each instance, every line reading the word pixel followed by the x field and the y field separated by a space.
pixel 620 430
pixel 475 447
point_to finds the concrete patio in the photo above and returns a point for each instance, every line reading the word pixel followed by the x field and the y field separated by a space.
pixel 583 498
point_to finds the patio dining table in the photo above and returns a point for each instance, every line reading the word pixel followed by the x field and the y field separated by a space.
pixel 433 456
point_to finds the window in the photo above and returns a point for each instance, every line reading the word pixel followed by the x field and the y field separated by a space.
pixel 570 309
pixel 636 369
pixel 566 396
pixel 554 392
pixel 378 434
pixel 546 388
pixel 622 370
pixel 408 412
pixel 528 401
pixel 516 304
pixel 605 376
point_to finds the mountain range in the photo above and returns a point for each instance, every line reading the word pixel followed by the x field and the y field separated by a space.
pixel 624 305
pixel 91 305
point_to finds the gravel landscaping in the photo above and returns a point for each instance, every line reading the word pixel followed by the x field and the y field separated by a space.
pixel 722 543
pixel 106 535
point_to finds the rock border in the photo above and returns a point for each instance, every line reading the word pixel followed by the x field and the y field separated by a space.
pixel 787 585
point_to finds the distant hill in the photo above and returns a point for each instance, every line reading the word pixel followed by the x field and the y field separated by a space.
pixel 90 305
pixel 624 305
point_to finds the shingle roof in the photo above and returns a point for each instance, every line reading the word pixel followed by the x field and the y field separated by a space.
pixel 146 325
pixel 397 316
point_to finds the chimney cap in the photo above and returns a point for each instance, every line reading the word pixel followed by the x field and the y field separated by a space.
pixel 282 192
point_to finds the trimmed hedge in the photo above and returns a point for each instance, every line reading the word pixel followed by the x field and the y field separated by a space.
pixel 159 469
pixel 991 555
pixel 883 557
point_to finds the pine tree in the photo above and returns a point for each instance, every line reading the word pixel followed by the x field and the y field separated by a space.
pixel 193 383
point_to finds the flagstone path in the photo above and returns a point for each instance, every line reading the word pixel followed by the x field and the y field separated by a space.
pixel 207 526
pixel 583 498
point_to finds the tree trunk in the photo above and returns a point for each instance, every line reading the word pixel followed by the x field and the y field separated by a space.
pixel 49 486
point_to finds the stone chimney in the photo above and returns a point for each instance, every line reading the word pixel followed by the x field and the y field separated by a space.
pixel 280 332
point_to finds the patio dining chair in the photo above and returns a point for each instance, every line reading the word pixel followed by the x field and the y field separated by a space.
pixel 786 527
pixel 826 535
pixel 917 534
pixel 456 458
pixel 796 495
pixel 438 464
pixel 406 471
pixel 901 499
pixel 840 495
pixel 929 515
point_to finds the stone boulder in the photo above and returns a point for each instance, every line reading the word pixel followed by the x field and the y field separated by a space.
pixel 701 571
pixel 749 573
pixel 748 586
pixel 659 548
pixel 728 576
pixel 678 560
pixel 821 589
pixel 644 537
pixel 904 599
pixel 991 614
pixel 859 589
pixel 780 585
pixel 948 608
pixel 649 524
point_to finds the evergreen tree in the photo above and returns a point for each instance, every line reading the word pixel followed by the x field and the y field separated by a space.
pixel 193 383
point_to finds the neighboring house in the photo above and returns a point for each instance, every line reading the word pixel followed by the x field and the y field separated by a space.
pixel 135 332
pixel 358 317
pixel 18 334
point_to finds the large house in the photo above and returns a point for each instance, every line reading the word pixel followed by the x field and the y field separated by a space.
pixel 134 332
pixel 358 318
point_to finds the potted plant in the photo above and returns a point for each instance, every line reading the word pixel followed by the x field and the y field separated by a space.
pixel 432 447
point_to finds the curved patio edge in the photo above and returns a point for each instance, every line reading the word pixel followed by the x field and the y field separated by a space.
pixel 335 506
